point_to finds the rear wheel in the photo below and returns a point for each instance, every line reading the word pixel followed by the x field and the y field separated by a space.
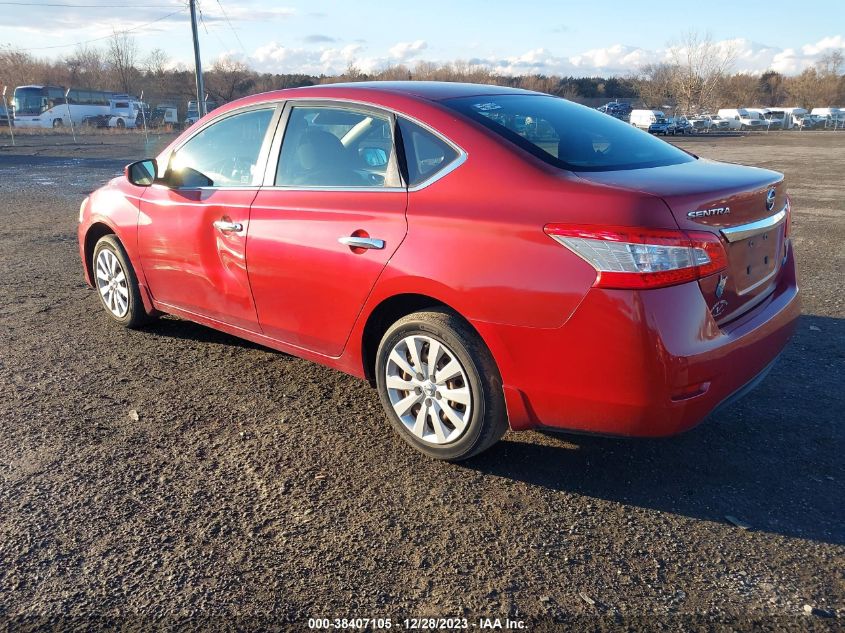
pixel 117 284
pixel 121 124
pixel 439 386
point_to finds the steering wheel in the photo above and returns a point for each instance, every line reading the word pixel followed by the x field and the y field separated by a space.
pixel 234 169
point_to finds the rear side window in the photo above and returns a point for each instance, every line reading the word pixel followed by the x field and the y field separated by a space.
pixel 568 135
pixel 426 154
pixel 332 146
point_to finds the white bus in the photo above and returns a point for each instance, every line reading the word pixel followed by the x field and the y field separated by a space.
pixel 46 106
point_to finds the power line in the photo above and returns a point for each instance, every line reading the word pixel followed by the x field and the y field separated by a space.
pixel 234 32
pixel 82 6
pixel 105 37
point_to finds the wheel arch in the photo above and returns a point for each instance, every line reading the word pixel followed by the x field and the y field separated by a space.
pixel 390 310
pixel 95 232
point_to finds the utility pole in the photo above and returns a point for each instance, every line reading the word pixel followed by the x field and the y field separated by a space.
pixel 197 62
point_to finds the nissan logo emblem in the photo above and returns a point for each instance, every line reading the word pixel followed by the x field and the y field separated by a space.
pixel 770 199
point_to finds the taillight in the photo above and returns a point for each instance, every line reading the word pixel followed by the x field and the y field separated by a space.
pixel 627 257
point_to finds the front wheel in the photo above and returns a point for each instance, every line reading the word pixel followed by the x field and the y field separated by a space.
pixel 58 123
pixel 440 386
pixel 117 284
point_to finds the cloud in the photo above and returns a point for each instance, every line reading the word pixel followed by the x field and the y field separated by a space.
pixel 245 12
pixel 404 51
pixel 318 38
pixel 619 59
pixel 275 58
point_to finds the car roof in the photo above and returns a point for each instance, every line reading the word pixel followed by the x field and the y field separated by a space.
pixel 432 90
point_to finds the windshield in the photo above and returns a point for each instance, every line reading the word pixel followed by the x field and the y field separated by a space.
pixel 29 101
pixel 567 135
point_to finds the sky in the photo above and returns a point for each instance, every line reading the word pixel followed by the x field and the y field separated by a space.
pixel 540 36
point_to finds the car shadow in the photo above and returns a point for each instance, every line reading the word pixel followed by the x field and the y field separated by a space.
pixel 773 460
pixel 174 327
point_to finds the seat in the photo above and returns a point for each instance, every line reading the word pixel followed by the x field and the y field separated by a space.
pixel 323 161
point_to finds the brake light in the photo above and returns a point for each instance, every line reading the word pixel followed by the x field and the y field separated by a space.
pixel 628 257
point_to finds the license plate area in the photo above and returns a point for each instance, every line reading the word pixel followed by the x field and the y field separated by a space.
pixel 755 260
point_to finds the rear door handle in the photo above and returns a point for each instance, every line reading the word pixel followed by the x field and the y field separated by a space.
pixel 361 242
pixel 227 226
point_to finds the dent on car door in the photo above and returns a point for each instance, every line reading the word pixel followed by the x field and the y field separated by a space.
pixel 193 225
pixel 331 214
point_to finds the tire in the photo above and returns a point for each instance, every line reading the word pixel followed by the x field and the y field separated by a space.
pixel 476 385
pixel 116 283
pixel 120 124
pixel 58 123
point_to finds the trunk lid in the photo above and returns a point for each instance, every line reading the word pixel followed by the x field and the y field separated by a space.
pixel 732 201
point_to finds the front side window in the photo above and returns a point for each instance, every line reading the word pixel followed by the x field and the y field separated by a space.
pixel 225 152
pixel 337 147
pixel 425 153
pixel 567 135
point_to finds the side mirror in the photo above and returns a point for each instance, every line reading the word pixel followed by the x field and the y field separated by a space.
pixel 141 173
pixel 187 178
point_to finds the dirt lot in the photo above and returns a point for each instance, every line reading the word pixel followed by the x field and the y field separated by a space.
pixel 257 489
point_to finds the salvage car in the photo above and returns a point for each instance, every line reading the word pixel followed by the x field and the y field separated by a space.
pixel 591 278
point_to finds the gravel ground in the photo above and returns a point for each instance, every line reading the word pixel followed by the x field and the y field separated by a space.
pixel 178 477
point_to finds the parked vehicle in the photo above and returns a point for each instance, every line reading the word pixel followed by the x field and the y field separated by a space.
pixel 602 282
pixel 616 109
pixel 791 115
pixel 47 106
pixel 126 112
pixel 680 126
pixel 808 121
pixel 659 127
pixel 741 119
pixel 164 115
pixel 708 123
pixel 834 118
pixel 644 119
pixel 193 114
pixel 769 118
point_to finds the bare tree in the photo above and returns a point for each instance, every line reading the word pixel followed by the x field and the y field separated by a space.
pixel 773 88
pixel 831 64
pixel 655 84
pixel 156 63
pixel 86 67
pixel 700 66
pixel 739 90
pixel 122 55
pixel 229 78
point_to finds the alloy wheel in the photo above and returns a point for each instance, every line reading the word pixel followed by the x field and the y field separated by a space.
pixel 428 389
pixel 111 282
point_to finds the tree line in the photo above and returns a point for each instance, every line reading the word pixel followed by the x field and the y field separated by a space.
pixel 697 77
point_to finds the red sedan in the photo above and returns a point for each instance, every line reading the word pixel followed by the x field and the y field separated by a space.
pixel 487 257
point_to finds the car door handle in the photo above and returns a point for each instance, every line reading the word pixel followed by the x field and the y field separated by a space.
pixel 361 242
pixel 227 226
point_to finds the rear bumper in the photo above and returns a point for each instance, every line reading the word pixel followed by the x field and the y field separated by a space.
pixel 648 363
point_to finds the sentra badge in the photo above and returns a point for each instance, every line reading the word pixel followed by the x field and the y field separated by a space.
pixel 706 213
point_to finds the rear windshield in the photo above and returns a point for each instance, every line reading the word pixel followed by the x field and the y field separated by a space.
pixel 568 135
